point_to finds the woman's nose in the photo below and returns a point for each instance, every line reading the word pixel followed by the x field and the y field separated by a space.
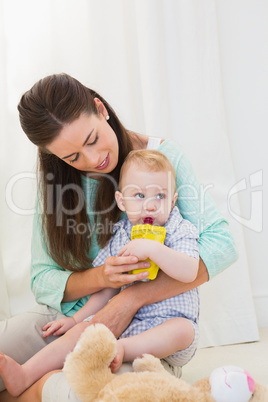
pixel 92 158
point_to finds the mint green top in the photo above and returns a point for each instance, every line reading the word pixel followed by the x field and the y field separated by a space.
pixel 216 245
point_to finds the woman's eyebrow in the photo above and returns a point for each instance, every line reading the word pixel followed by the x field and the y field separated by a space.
pixel 84 143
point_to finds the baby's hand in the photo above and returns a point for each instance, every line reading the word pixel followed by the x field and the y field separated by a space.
pixel 118 359
pixel 141 248
pixel 58 327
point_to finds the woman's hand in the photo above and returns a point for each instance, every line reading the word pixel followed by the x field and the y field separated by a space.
pixel 119 312
pixel 115 271
pixel 112 274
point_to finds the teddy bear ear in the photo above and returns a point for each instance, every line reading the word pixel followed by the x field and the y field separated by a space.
pixel 87 367
pixel 231 383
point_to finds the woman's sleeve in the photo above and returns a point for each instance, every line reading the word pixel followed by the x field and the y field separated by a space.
pixel 216 244
pixel 48 280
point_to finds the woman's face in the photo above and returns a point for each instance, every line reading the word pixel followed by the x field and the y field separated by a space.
pixel 88 143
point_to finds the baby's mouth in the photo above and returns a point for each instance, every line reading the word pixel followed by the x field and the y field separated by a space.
pixel 148 220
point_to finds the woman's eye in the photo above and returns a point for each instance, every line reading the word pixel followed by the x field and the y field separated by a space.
pixel 91 143
pixel 75 159
pixel 160 196
pixel 139 195
pixel 94 142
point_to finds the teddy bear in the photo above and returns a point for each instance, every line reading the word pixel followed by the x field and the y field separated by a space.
pixel 88 374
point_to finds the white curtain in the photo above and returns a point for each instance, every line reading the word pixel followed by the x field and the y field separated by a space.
pixel 4 303
pixel 158 63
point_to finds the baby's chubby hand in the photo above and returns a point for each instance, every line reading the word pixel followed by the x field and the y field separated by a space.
pixel 141 248
pixel 58 327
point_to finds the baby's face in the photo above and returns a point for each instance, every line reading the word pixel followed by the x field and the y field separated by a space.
pixel 147 194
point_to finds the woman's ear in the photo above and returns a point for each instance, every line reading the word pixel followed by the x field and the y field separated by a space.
pixel 119 200
pixel 100 107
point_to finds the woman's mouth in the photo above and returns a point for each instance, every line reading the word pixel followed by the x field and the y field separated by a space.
pixel 104 163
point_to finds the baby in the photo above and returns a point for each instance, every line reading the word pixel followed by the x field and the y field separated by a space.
pixel 167 329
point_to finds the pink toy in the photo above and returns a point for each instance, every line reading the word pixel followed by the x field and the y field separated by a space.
pixel 231 384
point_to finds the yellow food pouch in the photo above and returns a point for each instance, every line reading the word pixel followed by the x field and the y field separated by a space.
pixel 151 232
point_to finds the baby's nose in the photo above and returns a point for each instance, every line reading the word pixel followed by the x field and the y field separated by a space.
pixel 149 205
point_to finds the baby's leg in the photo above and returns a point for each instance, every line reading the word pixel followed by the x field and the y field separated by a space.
pixel 26 329
pixel 161 341
pixel 18 378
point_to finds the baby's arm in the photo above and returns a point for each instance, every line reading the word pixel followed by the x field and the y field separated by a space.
pixel 175 264
pixel 95 303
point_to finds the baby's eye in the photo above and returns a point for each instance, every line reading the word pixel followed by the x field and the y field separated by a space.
pixel 139 195
pixel 160 196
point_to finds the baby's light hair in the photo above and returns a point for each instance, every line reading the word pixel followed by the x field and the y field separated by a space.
pixel 151 160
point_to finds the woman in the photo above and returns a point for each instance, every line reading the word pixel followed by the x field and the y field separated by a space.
pixel 82 145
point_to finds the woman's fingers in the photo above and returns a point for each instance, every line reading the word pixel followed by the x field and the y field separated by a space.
pixel 114 265
pixel 116 270
pixel 121 260
pixel 134 277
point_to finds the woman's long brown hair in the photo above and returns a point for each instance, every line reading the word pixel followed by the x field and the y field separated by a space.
pixel 43 110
